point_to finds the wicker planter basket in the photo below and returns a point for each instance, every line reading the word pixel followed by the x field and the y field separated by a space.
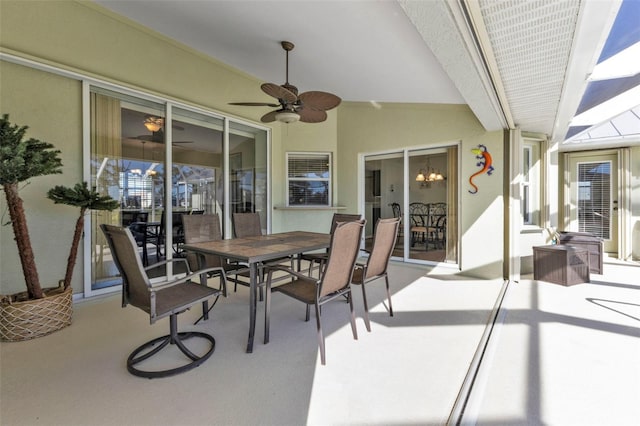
pixel 28 319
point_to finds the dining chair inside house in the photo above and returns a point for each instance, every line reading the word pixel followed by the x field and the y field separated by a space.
pixel 249 225
pixel 419 214
pixel 320 258
pixel 397 213
pixel 202 228
pixel 376 265
pixel 159 300
pixel 334 281
pixel 436 228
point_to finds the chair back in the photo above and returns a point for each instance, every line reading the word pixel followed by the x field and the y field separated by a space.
pixel 418 213
pixel 246 225
pixel 200 228
pixel 436 212
pixel 384 240
pixel 395 208
pixel 135 283
pixel 343 252
pixel 343 217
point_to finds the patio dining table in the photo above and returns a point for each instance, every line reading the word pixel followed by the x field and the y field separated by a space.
pixel 258 249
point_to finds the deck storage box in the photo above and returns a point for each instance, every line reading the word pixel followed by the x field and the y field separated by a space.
pixel 561 264
pixel 590 242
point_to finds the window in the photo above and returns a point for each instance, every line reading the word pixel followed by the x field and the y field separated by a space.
pixel 308 179
pixel 530 183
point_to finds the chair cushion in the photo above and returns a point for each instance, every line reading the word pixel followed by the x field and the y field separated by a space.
pixel 181 296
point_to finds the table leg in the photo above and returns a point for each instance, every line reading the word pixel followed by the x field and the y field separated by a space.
pixel 203 281
pixel 252 304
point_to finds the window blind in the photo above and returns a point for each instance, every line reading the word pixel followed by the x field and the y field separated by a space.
pixel 594 198
pixel 309 179
pixel 309 167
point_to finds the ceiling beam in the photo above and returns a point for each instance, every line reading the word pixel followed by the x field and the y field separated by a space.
pixel 446 30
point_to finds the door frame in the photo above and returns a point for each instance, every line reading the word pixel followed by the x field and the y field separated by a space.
pixel 621 192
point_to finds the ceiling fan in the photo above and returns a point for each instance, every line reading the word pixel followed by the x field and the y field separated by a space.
pixel 156 125
pixel 308 107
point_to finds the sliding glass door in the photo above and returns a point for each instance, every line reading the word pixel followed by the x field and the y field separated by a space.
pixel 423 194
pixel 160 162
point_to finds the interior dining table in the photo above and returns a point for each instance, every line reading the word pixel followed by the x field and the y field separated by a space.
pixel 260 249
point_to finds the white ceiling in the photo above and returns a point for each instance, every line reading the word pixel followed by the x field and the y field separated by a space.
pixel 359 50
pixel 514 63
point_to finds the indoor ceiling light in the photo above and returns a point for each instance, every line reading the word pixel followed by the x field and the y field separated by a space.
pixel 153 124
pixel 287 117
pixel 429 176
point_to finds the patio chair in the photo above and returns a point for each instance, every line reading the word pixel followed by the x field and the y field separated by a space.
pixel 248 225
pixel 159 300
pixel 334 280
pixel 384 239
pixel 320 258
pixel 206 227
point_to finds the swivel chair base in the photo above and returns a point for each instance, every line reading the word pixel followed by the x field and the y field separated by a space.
pixel 174 338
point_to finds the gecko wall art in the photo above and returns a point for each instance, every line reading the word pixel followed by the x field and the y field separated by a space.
pixel 484 161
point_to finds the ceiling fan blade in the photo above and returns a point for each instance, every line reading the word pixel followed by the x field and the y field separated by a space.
pixel 322 101
pixel 270 116
pixel 279 92
pixel 254 104
pixel 311 115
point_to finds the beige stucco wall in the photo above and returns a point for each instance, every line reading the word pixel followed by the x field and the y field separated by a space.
pixel 50 106
pixel 83 37
pixel 363 129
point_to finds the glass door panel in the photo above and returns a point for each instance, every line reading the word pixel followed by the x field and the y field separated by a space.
pixel 129 161
pixel 593 197
pixel 432 200
pixel 120 161
pixel 197 162
pixel 383 193
pixel 248 171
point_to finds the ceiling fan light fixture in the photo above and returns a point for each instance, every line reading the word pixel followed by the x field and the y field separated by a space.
pixel 287 117
pixel 153 124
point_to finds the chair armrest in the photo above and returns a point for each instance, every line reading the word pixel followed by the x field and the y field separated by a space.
pixel 271 268
pixel 165 262
pixel 186 278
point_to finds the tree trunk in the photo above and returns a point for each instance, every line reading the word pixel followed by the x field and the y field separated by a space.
pixel 21 234
pixel 73 253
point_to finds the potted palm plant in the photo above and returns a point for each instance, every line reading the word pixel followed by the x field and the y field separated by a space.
pixel 38 311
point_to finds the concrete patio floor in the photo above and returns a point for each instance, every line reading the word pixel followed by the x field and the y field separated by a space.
pixel 557 355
